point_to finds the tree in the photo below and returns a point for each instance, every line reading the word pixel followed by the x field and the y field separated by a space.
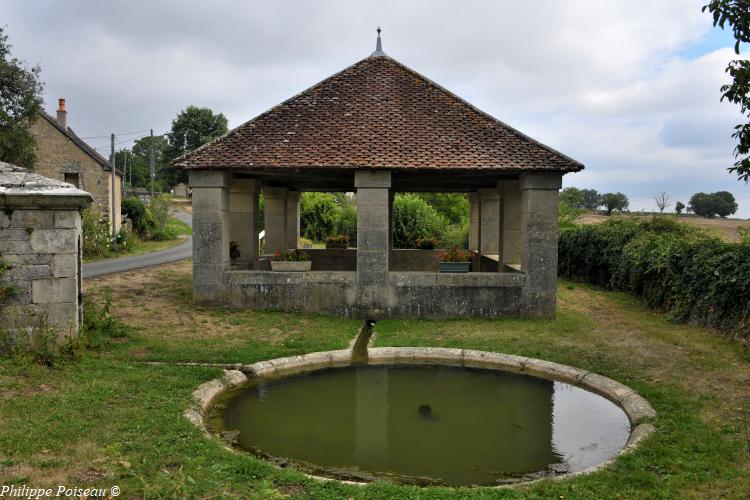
pixel 572 197
pixel 720 204
pixel 591 199
pixel 679 207
pixel 735 13
pixel 192 128
pixel 614 201
pixel 662 200
pixel 317 214
pixel 453 206
pixel 20 104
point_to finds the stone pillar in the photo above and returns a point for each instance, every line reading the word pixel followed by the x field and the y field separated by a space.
pixel 243 220
pixel 292 219
pixel 474 221
pixel 539 205
pixel 210 233
pixel 276 219
pixel 489 222
pixel 373 241
pixel 510 195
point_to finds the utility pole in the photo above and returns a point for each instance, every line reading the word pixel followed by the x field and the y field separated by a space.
pixel 151 165
pixel 124 175
pixel 112 198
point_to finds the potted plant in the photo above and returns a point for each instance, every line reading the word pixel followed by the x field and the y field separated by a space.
pixel 294 261
pixel 427 243
pixel 338 241
pixel 454 260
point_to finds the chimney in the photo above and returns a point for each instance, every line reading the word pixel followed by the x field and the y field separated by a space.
pixel 62 114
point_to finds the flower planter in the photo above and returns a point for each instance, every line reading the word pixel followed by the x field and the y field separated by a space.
pixel 336 245
pixel 291 265
pixel 454 267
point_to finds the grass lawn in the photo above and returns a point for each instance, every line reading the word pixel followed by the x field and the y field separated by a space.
pixel 179 227
pixel 109 420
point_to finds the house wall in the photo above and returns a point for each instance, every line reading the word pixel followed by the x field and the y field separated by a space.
pixel 57 154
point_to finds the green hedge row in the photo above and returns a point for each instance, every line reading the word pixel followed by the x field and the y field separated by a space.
pixel 674 267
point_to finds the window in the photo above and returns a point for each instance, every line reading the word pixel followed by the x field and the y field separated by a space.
pixel 72 179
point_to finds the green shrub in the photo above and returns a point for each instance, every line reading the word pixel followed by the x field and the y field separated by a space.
pixel 674 267
pixel 96 237
pixel 160 207
pixel 317 212
pixel 456 235
pixel 346 221
pixel 138 214
pixel 413 219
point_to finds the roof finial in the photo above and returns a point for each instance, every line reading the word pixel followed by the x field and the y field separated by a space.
pixel 378 47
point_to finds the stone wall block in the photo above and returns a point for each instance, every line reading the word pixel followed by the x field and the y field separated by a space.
pixel 54 290
pixel 53 240
pixel 67 219
pixel 32 218
pixel 65 265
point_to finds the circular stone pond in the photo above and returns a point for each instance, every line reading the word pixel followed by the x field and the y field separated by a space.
pixel 425 416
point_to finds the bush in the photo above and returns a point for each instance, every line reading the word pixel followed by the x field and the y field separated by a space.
pixel 674 267
pixel 413 219
pixel 346 222
pixel 96 238
pixel 456 235
pixel 161 207
pixel 427 243
pixel 317 212
pixel 293 256
pixel 138 214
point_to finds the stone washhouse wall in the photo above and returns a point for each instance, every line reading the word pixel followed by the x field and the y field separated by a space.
pixel 515 222
pixel 40 243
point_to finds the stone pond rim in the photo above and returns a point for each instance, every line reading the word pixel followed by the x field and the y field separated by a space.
pixel 636 408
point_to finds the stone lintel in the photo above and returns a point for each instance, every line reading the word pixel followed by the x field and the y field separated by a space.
pixel 210 178
pixel 541 180
pixel 372 179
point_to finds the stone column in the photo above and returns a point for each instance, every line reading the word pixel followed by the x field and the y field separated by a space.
pixel 210 233
pixel 489 222
pixel 510 195
pixel 373 241
pixel 243 220
pixel 474 221
pixel 539 205
pixel 276 219
pixel 292 219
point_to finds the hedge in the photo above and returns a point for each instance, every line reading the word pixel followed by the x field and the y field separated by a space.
pixel 674 267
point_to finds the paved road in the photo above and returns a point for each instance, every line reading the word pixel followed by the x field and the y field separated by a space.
pixel 111 266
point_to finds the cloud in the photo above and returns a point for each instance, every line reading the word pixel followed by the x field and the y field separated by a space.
pixel 608 83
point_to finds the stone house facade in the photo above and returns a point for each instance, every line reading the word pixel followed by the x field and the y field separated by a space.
pixel 64 156
pixel 40 249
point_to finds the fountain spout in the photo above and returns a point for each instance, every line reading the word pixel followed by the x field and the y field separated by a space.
pixel 359 349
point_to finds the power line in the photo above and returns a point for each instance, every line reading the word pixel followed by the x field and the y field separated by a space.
pixel 117 134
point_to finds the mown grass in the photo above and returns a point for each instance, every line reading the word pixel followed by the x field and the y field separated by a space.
pixel 109 419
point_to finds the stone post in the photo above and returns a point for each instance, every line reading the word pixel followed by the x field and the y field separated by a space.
pixel 510 194
pixel 474 221
pixel 489 222
pixel 373 241
pixel 243 220
pixel 539 205
pixel 292 219
pixel 210 233
pixel 276 219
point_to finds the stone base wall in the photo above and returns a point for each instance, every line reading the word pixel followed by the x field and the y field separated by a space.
pixel 42 250
pixel 410 294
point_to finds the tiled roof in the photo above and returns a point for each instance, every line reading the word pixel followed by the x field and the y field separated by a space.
pixel 68 132
pixel 376 113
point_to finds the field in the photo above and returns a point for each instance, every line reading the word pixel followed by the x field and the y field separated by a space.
pixel 110 420
pixel 726 229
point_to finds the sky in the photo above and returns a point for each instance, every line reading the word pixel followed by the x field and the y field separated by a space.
pixel 630 88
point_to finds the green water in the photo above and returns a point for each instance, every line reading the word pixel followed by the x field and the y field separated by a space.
pixel 455 426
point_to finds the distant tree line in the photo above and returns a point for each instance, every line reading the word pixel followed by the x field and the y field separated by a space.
pixel 590 199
